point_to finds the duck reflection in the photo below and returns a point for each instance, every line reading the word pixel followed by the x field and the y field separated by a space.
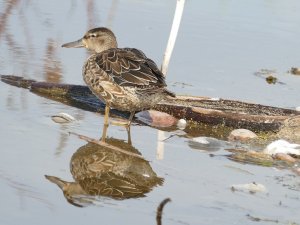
pixel 101 171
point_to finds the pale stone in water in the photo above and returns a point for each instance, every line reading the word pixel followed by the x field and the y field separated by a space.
pixel 252 187
pixel 284 157
pixel 210 144
pixel 241 135
pixel 62 118
pixel 181 124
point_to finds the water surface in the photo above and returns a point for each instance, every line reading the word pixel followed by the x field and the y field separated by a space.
pixel 221 44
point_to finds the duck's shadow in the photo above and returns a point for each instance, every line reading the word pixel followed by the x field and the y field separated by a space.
pixel 99 171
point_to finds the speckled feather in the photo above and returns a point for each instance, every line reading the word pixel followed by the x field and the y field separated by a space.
pixel 125 78
pixel 101 171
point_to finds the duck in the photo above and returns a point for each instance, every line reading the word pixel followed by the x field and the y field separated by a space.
pixel 123 78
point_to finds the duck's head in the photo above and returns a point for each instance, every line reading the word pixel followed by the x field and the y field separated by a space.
pixel 97 39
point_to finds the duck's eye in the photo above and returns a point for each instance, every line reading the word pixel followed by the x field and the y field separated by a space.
pixel 92 35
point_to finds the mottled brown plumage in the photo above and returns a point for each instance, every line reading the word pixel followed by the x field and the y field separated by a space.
pixel 100 171
pixel 124 78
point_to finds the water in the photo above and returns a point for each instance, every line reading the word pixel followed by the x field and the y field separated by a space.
pixel 221 44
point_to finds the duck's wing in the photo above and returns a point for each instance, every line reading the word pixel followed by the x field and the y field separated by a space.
pixel 130 67
pixel 113 185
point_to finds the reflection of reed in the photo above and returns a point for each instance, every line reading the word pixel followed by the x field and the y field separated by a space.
pixel 19 51
pixel 22 53
pixel 92 18
pixel 23 190
pixel 52 67
pixel 63 139
pixel 10 5
pixel 18 55
pixel 27 33
pixel 100 171
pixel 14 47
pixel 112 13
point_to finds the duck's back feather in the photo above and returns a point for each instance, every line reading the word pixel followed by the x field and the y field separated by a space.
pixel 130 67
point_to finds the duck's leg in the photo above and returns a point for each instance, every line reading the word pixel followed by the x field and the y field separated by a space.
pixel 128 136
pixel 125 124
pixel 105 126
pixel 128 127
pixel 130 118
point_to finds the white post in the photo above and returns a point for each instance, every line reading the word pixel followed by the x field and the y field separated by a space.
pixel 165 64
pixel 173 35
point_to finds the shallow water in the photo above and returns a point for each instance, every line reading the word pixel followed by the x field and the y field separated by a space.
pixel 221 44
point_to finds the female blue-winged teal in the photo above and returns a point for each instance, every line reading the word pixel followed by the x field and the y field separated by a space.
pixel 124 78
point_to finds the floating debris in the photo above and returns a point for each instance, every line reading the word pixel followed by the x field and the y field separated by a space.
pixel 252 157
pixel 251 188
pixel 295 71
pixel 62 118
pixel 176 133
pixel 263 159
pixel 268 75
pixel 208 144
pixel 282 146
pixel 241 135
pixel 181 124
pixel 239 170
pixel 271 79
pixel 257 219
pixel 201 140
pixel 263 73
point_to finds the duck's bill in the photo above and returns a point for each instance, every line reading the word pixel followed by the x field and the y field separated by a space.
pixel 60 183
pixel 74 44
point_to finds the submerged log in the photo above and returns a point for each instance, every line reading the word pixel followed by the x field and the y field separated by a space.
pixel 230 113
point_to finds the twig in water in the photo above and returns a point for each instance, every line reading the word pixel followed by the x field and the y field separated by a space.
pixel 160 210
pixel 104 144
pixel 257 219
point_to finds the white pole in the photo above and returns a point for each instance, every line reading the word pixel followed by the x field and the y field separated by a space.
pixel 165 64
pixel 173 35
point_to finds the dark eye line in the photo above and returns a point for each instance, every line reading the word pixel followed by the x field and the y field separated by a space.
pixel 91 36
pixel 94 35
